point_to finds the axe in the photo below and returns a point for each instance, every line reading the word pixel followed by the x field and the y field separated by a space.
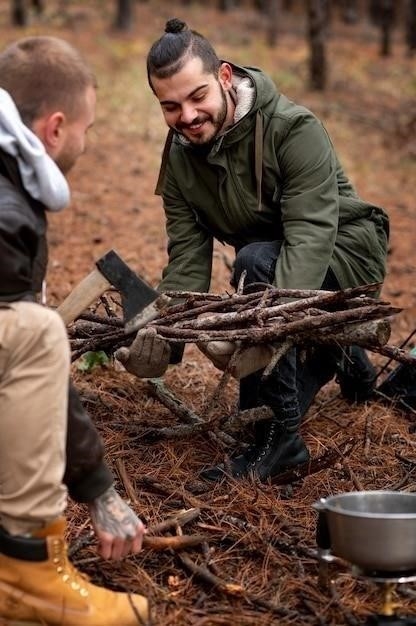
pixel 140 302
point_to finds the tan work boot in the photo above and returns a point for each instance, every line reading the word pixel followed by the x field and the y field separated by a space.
pixel 39 585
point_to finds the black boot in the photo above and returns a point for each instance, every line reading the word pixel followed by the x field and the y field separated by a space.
pixel 283 448
pixel 356 375
pixel 399 387
pixel 312 373
pixel 237 467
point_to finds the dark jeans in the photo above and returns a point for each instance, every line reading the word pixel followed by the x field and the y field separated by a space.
pixel 293 383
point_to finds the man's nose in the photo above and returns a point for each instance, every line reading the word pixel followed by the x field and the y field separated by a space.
pixel 188 113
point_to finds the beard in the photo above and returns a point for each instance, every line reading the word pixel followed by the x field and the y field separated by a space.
pixel 217 122
pixel 67 159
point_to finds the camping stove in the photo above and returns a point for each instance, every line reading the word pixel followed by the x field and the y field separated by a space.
pixel 373 536
pixel 387 582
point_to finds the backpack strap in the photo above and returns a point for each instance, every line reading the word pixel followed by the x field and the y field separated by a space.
pixel 164 163
pixel 258 156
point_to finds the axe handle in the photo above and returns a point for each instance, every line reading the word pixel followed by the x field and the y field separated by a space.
pixel 83 295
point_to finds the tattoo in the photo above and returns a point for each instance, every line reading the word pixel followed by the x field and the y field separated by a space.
pixel 113 515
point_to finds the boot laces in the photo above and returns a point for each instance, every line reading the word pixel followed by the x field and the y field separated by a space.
pixel 267 444
pixel 68 573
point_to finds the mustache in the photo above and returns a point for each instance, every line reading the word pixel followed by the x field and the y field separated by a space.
pixel 197 120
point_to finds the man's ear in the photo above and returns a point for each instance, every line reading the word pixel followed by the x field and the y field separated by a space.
pixel 225 76
pixel 51 130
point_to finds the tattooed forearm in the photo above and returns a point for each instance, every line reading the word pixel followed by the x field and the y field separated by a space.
pixel 113 515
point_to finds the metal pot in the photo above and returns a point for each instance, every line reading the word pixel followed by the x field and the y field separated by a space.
pixel 374 530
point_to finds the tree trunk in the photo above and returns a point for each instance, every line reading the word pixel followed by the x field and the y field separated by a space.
pixel 19 13
pixel 272 16
pixel 39 6
pixel 349 11
pixel 410 21
pixel 386 17
pixel 226 5
pixel 124 16
pixel 317 26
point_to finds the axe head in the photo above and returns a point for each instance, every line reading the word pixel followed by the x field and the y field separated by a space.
pixel 141 303
pixel 135 293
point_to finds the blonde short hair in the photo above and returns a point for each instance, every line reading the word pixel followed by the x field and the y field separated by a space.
pixel 44 74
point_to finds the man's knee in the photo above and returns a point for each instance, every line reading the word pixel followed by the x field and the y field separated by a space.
pixel 56 330
pixel 258 260
pixel 53 336
pixel 44 322
pixel 37 331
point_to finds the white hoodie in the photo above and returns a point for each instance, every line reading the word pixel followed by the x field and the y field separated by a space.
pixel 41 177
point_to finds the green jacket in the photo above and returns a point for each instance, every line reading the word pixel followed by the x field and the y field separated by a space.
pixel 274 175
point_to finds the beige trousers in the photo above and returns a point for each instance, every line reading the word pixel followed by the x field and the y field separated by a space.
pixel 34 376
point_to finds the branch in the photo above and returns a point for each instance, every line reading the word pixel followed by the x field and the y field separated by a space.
pixel 170 401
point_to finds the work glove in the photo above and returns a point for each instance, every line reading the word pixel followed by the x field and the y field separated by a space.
pixel 247 361
pixel 218 352
pixel 148 355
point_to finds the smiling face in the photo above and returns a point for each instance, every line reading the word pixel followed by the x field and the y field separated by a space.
pixel 195 103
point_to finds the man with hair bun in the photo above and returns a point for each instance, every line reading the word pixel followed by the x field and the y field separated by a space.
pixel 248 167
pixel 48 444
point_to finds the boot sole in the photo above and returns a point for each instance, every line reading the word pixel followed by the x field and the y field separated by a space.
pixel 296 462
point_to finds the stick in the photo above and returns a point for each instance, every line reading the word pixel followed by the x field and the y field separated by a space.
pixel 202 572
pixel 180 519
pixel 130 491
pixel 172 543
pixel 158 544
pixel 401 346
pixel 232 589
pixel 395 353
pixel 170 401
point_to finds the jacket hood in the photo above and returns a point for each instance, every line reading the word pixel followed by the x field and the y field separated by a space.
pixel 265 88
pixel 265 94
pixel 41 177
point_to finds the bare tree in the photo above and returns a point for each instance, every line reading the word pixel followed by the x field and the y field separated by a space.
pixel 387 15
pixel 19 11
pixel 410 22
pixel 226 5
pixel 124 15
pixel 317 31
pixel 349 11
pixel 383 14
pixel 273 11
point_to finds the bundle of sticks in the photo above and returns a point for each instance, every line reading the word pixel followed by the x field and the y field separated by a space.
pixel 282 317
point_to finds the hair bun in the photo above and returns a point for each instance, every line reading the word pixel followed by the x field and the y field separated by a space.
pixel 175 26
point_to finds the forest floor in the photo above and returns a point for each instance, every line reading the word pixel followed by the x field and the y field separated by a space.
pixel 259 537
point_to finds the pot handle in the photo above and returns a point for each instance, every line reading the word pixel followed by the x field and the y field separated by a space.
pixel 323 538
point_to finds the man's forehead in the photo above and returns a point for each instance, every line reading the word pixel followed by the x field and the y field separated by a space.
pixel 183 83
